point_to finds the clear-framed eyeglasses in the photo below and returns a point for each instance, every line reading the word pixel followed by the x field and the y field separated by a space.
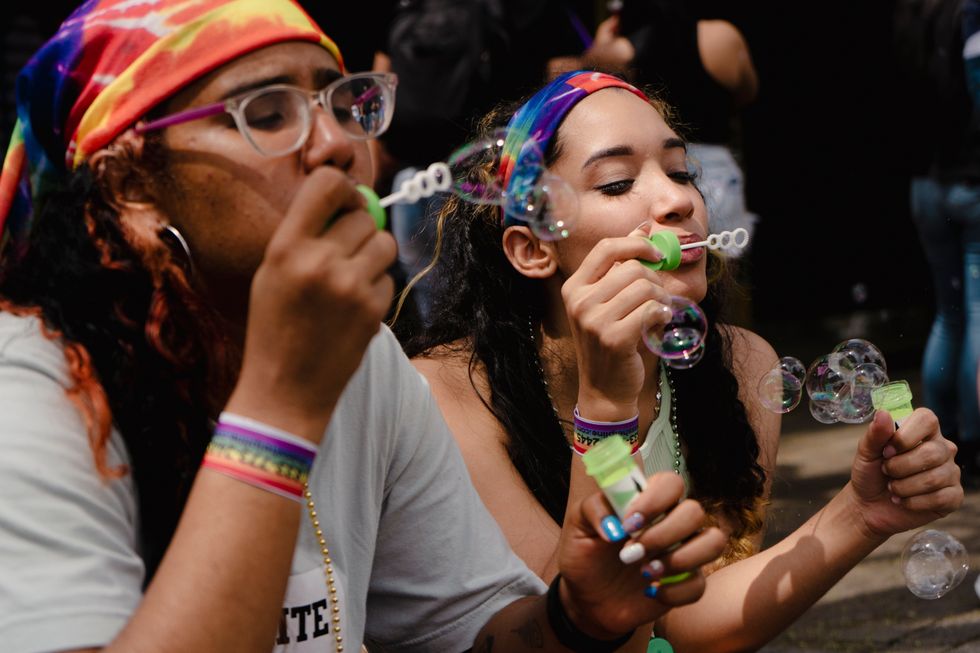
pixel 278 119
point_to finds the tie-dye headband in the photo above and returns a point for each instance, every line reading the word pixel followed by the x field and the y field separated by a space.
pixel 109 64
pixel 537 121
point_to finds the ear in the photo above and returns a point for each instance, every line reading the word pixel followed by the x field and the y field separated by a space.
pixel 127 185
pixel 531 256
pixel 121 173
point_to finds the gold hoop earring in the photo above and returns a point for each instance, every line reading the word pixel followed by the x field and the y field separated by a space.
pixel 175 235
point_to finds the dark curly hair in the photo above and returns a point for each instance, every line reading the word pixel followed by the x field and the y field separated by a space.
pixel 145 354
pixel 484 307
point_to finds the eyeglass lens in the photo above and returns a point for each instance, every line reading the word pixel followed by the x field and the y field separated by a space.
pixel 278 120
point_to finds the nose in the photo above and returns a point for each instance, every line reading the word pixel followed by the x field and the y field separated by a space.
pixel 328 144
pixel 672 202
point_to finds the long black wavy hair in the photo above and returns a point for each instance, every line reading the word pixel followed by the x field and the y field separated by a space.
pixel 483 306
pixel 145 354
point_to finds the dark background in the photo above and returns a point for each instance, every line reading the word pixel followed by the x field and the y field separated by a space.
pixel 827 156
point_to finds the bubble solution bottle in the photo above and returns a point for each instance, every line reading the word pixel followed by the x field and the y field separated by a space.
pixel 612 466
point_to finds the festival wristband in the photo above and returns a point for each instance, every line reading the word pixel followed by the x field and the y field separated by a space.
pixel 589 433
pixel 568 633
pixel 260 455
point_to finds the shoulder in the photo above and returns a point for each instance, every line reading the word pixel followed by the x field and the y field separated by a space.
pixel 751 353
pixel 725 55
pixel 462 391
pixel 23 344
pixel 752 358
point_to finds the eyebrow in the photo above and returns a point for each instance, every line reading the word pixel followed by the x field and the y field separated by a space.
pixel 321 77
pixel 626 150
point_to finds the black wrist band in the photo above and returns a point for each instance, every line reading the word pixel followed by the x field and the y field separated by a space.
pixel 568 634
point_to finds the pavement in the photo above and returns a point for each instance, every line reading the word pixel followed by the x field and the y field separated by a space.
pixel 870 610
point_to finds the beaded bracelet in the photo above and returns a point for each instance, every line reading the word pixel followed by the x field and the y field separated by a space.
pixel 589 433
pixel 568 633
pixel 260 455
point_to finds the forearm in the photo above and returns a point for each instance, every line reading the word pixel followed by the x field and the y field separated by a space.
pixel 224 575
pixel 749 602
pixel 225 572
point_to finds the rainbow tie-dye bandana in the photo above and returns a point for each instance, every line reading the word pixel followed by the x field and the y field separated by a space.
pixel 109 64
pixel 538 119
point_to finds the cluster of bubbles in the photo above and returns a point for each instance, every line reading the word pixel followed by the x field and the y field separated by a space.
pixel 535 196
pixel 676 331
pixel 933 563
pixel 839 384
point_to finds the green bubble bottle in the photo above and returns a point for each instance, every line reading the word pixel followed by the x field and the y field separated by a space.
pixel 612 466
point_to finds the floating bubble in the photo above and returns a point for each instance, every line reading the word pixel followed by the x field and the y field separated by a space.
pixel 825 412
pixel 859 351
pixel 676 332
pixel 826 379
pixel 866 377
pixel 933 563
pixel 475 168
pixel 793 366
pixel 549 207
pixel 780 391
pixel 542 200
pixel 687 360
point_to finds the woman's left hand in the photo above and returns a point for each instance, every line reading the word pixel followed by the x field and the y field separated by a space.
pixel 604 596
pixel 903 479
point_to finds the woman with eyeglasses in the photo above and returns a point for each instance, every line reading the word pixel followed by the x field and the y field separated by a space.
pixel 534 340
pixel 207 441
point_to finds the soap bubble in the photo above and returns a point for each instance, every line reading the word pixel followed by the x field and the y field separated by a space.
pixel 826 379
pixel 475 168
pixel 825 412
pixel 549 206
pixel 687 360
pixel 781 389
pixel 859 351
pixel 676 332
pixel 933 562
pixel 542 200
pixel 866 377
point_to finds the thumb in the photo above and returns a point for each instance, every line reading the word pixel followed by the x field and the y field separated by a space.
pixel 880 431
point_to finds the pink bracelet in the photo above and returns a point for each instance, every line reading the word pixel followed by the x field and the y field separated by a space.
pixel 260 455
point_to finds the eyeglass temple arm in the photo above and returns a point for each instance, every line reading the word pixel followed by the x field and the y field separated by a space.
pixel 183 116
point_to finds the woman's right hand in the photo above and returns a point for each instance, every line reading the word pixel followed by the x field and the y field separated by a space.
pixel 606 300
pixel 316 302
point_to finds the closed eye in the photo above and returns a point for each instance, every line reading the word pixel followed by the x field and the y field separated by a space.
pixel 614 188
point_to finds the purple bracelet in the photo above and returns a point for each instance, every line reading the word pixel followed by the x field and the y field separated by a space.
pixel 589 433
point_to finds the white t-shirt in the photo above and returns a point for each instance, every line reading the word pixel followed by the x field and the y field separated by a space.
pixel 420 564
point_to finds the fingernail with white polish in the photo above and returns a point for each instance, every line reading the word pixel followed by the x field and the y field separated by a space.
pixel 631 553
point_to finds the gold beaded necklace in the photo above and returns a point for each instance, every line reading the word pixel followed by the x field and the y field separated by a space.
pixel 327 569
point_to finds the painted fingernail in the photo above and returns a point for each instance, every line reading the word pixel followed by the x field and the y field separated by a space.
pixel 652 570
pixel 676 578
pixel 633 522
pixel 612 528
pixel 650 591
pixel 631 553
pixel 888 452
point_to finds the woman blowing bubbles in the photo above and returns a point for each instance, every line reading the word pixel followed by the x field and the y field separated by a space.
pixel 187 267
pixel 529 332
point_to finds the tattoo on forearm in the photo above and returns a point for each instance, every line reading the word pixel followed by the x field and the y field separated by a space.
pixel 530 633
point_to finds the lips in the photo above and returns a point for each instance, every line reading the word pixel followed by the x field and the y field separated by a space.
pixel 693 254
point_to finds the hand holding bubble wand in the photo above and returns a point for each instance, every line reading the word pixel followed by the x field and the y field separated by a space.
pixel 933 561
pixel 676 331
